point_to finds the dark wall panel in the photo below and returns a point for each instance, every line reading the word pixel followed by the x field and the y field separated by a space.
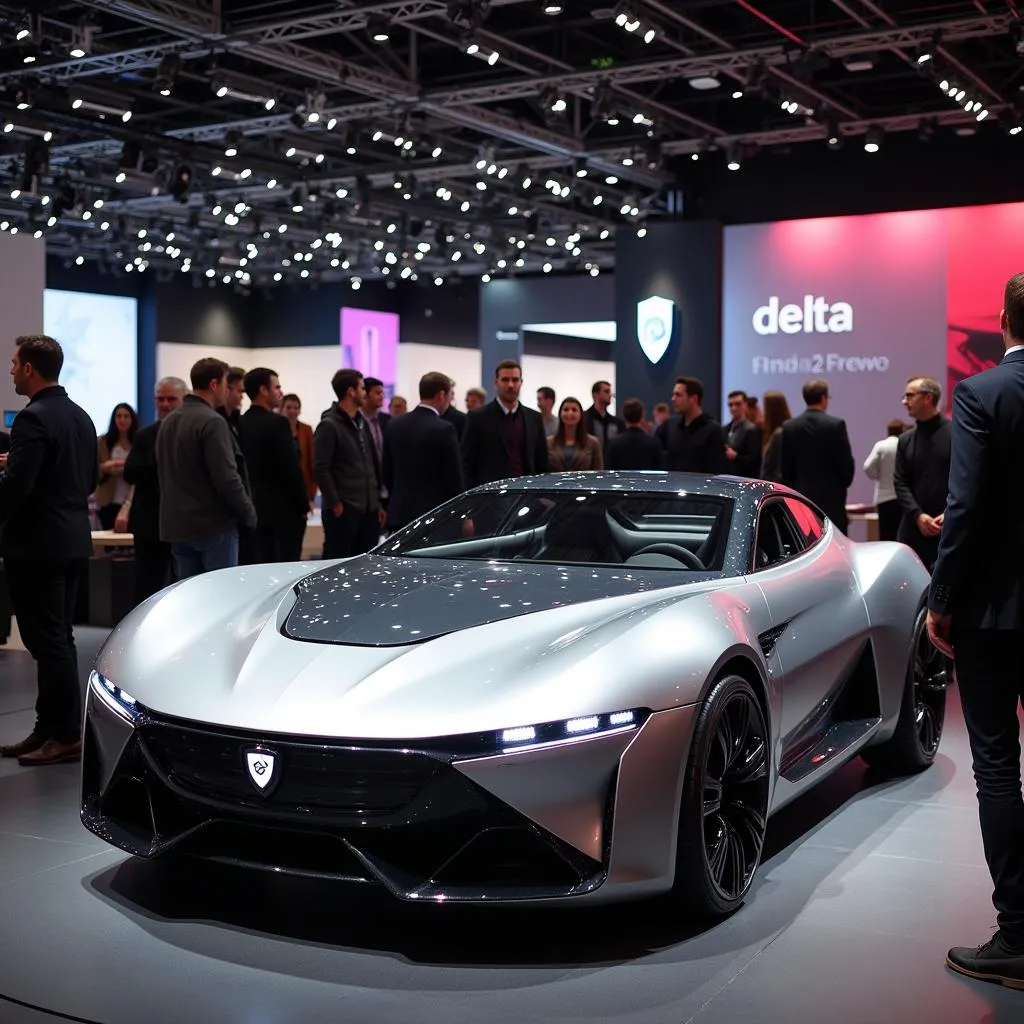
pixel 507 304
pixel 202 316
pixel 302 316
pixel 681 262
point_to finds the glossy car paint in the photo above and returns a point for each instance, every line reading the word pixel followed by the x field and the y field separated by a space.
pixel 576 641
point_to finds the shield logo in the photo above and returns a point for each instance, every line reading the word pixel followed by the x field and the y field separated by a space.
pixel 261 764
pixel 655 318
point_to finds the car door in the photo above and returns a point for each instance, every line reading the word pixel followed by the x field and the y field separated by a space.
pixel 818 615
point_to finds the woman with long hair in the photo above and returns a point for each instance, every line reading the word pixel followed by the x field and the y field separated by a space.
pixel 113 495
pixel 571 447
pixel 776 412
pixel 302 439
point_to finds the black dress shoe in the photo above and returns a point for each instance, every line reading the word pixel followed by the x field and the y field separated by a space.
pixel 994 961
pixel 32 742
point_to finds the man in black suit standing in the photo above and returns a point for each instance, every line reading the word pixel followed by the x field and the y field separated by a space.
pixel 743 438
pixel 422 460
pixel 817 459
pixel 634 448
pixel 976 617
pixel 152 555
pixel 503 438
pixel 44 509
pixel 275 476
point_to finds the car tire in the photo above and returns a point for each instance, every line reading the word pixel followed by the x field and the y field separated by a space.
pixel 914 744
pixel 724 809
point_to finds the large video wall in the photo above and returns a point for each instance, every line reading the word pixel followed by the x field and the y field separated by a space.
pixel 864 303
pixel 99 335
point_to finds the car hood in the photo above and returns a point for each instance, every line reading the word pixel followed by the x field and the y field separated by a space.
pixel 212 649
pixel 384 601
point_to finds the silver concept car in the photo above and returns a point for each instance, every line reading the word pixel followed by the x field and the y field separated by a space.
pixel 577 687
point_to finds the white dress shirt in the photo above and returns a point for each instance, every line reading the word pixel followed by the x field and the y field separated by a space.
pixel 879 466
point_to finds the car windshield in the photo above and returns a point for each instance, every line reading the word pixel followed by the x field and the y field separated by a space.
pixel 656 531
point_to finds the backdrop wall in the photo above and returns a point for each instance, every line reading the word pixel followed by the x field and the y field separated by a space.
pixel 22 280
pixel 865 303
pixel 573 377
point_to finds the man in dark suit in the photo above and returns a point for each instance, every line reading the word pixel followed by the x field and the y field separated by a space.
pixel 44 510
pixel 742 438
pixel 976 616
pixel 817 459
pixel 152 555
pixel 504 438
pixel 634 448
pixel 422 459
pixel 275 476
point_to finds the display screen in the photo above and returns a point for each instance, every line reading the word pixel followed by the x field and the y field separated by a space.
pixel 866 303
pixel 369 344
pixel 99 335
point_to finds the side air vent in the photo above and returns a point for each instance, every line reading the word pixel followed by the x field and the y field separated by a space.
pixel 770 637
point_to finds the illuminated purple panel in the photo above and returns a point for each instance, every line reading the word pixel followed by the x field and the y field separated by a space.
pixel 369 344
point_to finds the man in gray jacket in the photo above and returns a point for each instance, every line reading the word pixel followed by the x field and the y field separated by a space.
pixel 203 499
pixel 346 469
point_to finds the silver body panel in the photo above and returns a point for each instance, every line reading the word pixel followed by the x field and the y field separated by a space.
pixel 415 662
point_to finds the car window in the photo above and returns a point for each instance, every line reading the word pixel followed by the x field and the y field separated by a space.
pixel 611 528
pixel 776 539
pixel 806 521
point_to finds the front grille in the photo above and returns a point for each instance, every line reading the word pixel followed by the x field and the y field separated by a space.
pixel 312 778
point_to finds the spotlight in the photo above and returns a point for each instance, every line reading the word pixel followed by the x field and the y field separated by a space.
pixel 377 27
pixel 873 139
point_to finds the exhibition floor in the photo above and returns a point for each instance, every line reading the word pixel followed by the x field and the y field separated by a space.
pixel 863 889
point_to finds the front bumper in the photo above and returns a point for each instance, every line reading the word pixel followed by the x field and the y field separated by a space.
pixel 592 819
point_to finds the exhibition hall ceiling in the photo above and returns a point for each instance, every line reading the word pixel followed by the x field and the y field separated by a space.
pixel 263 141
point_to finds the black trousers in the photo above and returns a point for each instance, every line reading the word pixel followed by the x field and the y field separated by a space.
pixel 990 675
pixel 282 543
pixel 349 534
pixel 889 515
pixel 152 567
pixel 43 595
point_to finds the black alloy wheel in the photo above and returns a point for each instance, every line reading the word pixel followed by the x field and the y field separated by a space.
pixel 930 677
pixel 915 742
pixel 725 800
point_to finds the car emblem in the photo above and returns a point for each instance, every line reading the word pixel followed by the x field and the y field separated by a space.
pixel 655 318
pixel 261 764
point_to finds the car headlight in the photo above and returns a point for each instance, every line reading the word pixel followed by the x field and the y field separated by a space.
pixel 122 704
pixel 580 728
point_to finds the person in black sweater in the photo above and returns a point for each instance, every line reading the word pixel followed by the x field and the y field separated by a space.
pixel 50 471
pixel 921 475
pixel 634 448
pixel 693 441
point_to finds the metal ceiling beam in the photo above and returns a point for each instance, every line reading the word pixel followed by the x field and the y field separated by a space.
pixel 203 29
pixel 818 133
pixel 953 29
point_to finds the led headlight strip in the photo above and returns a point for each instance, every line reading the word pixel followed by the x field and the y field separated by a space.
pixel 570 729
pixel 121 703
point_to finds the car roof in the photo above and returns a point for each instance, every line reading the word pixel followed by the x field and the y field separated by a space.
pixel 739 489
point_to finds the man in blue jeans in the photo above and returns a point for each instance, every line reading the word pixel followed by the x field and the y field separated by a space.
pixel 204 498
